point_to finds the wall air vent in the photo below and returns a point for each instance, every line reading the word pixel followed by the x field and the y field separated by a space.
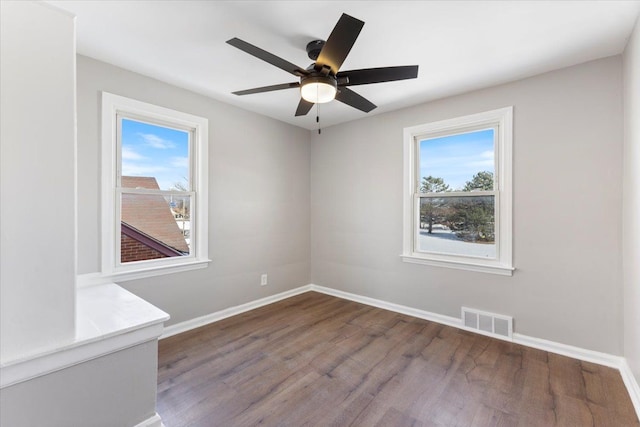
pixel 491 324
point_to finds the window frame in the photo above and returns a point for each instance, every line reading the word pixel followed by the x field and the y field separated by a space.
pixel 502 121
pixel 114 109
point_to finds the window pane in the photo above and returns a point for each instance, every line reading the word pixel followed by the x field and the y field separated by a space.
pixel 457 225
pixel 462 162
pixel 154 151
pixel 154 226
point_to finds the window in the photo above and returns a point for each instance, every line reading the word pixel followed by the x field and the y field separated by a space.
pixel 154 196
pixel 457 193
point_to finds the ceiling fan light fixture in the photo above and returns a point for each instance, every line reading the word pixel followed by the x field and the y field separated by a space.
pixel 318 89
pixel 320 81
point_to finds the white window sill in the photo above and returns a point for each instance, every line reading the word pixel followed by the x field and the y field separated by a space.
pixel 139 273
pixel 502 270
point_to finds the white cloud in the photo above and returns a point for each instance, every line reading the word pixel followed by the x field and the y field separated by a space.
pixel 487 154
pixel 129 153
pixel 155 141
pixel 180 162
pixel 483 161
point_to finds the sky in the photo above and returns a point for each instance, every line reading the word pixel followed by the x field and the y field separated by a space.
pixel 456 158
pixel 157 151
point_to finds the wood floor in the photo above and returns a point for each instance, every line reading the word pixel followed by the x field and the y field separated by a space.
pixel 316 360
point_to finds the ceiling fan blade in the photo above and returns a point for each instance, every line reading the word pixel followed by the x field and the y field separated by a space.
pixel 351 98
pixel 268 57
pixel 303 107
pixel 376 75
pixel 340 42
pixel 267 88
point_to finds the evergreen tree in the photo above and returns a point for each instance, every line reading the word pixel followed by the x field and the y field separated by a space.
pixel 430 208
pixel 481 181
pixel 472 218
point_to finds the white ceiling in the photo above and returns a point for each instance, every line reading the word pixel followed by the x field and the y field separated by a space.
pixel 459 45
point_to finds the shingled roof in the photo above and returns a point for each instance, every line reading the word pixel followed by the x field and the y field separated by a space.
pixel 151 214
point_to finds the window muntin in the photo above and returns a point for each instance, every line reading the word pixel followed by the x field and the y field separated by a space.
pixel 457 199
pixel 154 189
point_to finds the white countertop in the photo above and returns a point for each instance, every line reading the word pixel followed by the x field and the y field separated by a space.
pixel 106 310
pixel 108 319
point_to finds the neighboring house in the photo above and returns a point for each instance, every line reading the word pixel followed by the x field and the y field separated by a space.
pixel 149 229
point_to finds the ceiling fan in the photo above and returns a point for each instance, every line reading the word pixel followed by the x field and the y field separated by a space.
pixel 322 81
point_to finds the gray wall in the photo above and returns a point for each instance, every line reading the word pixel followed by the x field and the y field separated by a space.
pixel 117 390
pixel 567 209
pixel 37 154
pixel 567 205
pixel 258 201
pixel 38 261
pixel 631 203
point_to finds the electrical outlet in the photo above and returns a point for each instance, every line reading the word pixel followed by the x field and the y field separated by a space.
pixel 263 280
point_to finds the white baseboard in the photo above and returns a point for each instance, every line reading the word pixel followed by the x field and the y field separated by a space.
pixel 231 311
pixel 397 308
pixel 570 351
pixel 153 421
pixel 632 385
pixel 553 347
pixel 586 355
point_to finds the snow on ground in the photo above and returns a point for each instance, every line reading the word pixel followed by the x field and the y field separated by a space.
pixel 445 241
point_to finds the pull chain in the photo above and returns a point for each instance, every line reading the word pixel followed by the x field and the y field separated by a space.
pixel 318 118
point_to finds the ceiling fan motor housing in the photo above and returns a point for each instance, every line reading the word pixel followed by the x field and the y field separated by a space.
pixel 314 48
